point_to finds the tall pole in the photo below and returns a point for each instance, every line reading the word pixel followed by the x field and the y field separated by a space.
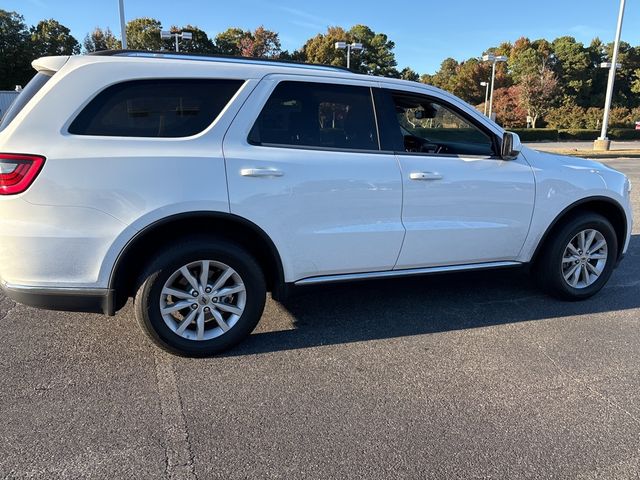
pixel 348 56
pixel 486 97
pixel 123 27
pixel 612 77
pixel 176 37
pixel 493 79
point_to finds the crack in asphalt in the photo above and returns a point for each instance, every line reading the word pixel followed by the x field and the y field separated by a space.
pixel 607 399
pixel 9 310
pixel 179 460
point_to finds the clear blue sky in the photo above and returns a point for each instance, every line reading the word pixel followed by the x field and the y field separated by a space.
pixel 425 32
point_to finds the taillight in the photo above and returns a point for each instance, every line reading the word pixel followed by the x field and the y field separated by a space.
pixel 17 172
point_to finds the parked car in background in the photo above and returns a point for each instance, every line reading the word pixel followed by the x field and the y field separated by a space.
pixel 197 184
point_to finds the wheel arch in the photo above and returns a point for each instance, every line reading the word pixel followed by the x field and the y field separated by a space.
pixel 605 206
pixel 143 245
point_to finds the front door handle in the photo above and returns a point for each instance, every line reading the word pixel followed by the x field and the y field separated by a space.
pixel 261 172
pixel 425 176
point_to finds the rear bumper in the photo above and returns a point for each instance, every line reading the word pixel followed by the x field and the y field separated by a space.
pixel 67 299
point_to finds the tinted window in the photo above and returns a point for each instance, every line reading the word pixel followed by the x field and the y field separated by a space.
pixel 429 126
pixel 155 108
pixel 317 115
pixel 27 93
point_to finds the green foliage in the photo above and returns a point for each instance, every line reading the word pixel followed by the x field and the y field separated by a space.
pixel 49 37
pixel 144 34
pixel 377 58
pixel 259 43
pixel 408 74
pixel 578 134
pixel 100 39
pixel 199 43
pixel 624 134
pixel 537 93
pixel 574 117
pixel 536 134
pixel 16 51
pixel 228 42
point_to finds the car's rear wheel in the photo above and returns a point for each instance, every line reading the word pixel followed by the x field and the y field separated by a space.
pixel 577 262
pixel 200 297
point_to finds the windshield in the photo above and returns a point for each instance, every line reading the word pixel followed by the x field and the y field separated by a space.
pixel 36 83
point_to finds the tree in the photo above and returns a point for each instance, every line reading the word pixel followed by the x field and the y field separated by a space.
pixel 573 68
pixel 321 48
pixel 199 43
pixel 260 43
pixel 377 58
pixel 50 37
pixel 15 51
pixel 100 39
pixel 508 111
pixel 538 93
pixel 528 57
pixel 408 74
pixel 144 34
pixel 228 42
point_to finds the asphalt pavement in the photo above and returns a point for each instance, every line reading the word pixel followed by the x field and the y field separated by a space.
pixel 459 376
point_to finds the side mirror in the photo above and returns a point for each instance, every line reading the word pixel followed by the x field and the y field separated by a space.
pixel 511 146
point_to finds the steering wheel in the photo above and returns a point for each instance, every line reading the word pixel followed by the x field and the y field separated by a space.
pixel 421 145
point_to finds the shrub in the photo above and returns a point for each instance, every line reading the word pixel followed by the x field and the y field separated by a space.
pixel 537 134
pixel 578 134
pixel 567 116
pixel 624 134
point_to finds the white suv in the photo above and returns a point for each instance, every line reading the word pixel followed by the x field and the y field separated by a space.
pixel 197 184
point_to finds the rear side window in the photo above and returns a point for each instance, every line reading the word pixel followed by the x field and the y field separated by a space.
pixel 27 93
pixel 317 115
pixel 155 108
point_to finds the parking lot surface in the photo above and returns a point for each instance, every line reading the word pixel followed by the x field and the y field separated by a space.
pixel 459 376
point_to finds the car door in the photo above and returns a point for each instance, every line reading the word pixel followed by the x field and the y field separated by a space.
pixel 304 164
pixel 463 204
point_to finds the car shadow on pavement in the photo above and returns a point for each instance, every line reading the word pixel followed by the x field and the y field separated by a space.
pixel 355 312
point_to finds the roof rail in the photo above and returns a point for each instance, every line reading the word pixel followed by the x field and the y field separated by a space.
pixel 214 58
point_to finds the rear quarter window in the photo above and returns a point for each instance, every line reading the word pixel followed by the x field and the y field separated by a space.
pixel 27 93
pixel 155 108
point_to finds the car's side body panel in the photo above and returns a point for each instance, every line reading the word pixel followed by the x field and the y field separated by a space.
pixel 330 211
pixel 563 181
pixel 96 192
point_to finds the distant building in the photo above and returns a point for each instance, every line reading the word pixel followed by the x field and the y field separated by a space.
pixel 6 99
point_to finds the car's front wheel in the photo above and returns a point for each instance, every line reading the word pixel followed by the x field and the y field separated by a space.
pixel 200 297
pixel 577 262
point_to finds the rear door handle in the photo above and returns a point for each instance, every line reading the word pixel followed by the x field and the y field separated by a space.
pixel 261 172
pixel 425 176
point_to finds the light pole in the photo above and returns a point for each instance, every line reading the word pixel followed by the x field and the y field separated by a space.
pixel 349 47
pixel 494 59
pixel 603 143
pixel 486 95
pixel 123 26
pixel 166 35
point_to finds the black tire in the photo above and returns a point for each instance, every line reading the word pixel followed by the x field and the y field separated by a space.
pixel 548 267
pixel 147 299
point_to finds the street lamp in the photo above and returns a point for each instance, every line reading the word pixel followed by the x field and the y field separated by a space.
pixel 166 35
pixel 123 27
pixel 349 47
pixel 494 59
pixel 603 143
pixel 486 95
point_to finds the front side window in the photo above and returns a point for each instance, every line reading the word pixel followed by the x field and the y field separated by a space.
pixel 307 114
pixel 428 126
pixel 155 108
